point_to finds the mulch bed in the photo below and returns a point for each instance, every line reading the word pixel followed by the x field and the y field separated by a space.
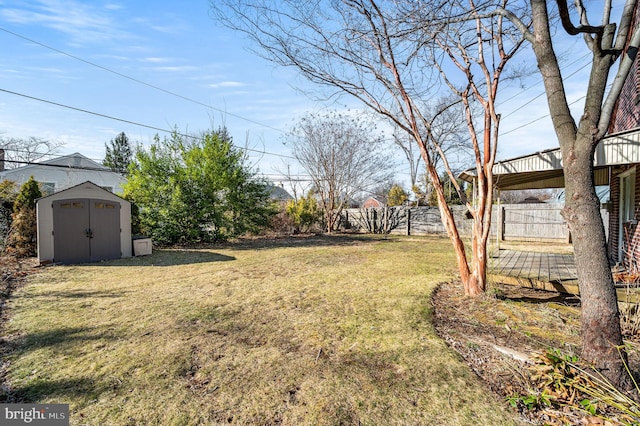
pixel 498 334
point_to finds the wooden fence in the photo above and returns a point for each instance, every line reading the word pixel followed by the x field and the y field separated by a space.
pixel 401 220
pixel 521 222
pixel 531 222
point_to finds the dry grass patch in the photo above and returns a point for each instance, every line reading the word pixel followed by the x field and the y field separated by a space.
pixel 324 330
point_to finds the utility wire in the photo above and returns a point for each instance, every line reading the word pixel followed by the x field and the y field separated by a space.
pixel 269 176
pixel 159 129
pixel 61 166
pixel 537 119
pixel 105 169
pixel 61 52
pixel 144 83
pixel 543 92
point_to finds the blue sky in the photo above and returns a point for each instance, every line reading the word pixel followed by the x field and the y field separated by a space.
pixel 174 46
pixel 177 47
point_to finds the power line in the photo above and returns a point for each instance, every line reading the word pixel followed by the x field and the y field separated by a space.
pixel 61 166
pixel 159 129
pixel 169 92
pixel 136 80
pixel 144 83
pixel 544 92
pixel 537 119
pixel 273 176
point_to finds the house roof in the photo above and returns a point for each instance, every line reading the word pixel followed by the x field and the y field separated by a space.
pixel 75 160
pixel 66 171
pixel 373 202
pixel 85 186
pixel 544 169
pixel 278 193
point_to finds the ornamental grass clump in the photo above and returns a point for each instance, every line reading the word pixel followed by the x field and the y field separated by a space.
pixel 561 383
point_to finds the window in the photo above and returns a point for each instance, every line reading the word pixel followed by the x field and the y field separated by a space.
pixel 100 205
pixel 627 209
pixel 627 191
pixel 72 205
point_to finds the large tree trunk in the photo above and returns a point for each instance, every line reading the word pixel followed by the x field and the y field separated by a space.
pixel 478 259
pixel 474 279
pixel 601 333
pixel 449 222
pixel 600 321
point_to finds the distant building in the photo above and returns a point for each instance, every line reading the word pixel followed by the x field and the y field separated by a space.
pixel 65 172
pixel 278 193
pixel 372 202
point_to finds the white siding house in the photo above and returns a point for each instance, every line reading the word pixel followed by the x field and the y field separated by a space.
pixel 65 172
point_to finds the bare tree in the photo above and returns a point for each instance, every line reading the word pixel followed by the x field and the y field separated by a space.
pixel 380 192
pixel 447 130
pixel 450 134
pixel 21 151
pixel 610 43
pixel 391 56
pixel 411 153
pixel 342 155
pixel 296 183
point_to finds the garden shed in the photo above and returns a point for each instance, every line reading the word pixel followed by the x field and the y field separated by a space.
pixel 84 223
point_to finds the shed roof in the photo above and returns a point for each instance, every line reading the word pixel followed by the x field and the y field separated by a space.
pixel 544 169
pixel 84 189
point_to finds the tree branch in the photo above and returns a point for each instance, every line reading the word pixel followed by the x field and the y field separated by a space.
pixel 568 26
pixel 618 82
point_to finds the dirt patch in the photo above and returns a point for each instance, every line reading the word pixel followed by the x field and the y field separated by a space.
pixel 13 273
pixel 499 335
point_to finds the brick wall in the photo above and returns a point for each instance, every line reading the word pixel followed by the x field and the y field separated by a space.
pixel 626 117
pixel 630 232
pixel 627 114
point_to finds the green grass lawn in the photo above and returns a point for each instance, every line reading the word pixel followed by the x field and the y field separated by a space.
pixel 318 331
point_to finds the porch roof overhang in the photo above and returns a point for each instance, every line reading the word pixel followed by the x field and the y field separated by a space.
pixel 544 169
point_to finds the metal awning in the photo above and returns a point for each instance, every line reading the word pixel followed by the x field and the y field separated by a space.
pixel 544 169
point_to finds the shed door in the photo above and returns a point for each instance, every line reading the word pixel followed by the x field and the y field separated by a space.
pixel 86 230
pixel 104 219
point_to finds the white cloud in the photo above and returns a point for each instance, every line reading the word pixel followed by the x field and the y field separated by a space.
pixel 157 60
pixel 113 6
pixel 182 68
pixel 83 23
pixel 224 84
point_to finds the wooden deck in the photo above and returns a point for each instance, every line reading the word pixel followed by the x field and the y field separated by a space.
pixel 544 271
